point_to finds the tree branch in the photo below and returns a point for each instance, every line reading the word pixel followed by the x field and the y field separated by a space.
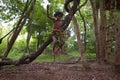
pixel 82 5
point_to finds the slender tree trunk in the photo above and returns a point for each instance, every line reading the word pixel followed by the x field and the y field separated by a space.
pixel 28 36
pixel 84 35
pixel 108 44
pixel 109 36
pixel 102 31
pixel 96 28
pixel 27 49
pixel 81 47
pixel 38 42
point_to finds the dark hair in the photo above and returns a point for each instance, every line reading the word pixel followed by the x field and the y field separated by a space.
pixel 58 13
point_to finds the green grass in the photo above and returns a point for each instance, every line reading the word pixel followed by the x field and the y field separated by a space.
pixel 14 55
pixel 91 56
pixel 48 57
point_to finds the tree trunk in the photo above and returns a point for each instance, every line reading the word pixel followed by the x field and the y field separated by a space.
pixel 27 49
pixel 96 28
pixel 102 31
pixel 109 36
pixel 108 44
pixel 38 41
pixel 80 45
pixel 28 36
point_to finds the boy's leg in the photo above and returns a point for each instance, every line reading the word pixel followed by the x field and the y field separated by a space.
pixel 62 42
pixel 54 44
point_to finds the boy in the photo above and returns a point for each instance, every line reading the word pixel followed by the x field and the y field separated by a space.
pixel 57 22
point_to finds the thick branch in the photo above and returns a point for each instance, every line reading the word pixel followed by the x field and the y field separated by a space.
pixel 82 5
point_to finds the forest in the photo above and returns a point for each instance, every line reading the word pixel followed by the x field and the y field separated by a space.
pixel 86 47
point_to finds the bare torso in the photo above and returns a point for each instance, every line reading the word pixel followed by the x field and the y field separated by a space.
pixel 57 24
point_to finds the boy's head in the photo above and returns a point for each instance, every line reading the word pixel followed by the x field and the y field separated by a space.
pixel 58 14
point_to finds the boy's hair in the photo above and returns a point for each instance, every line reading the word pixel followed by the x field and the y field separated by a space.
pixel 58 13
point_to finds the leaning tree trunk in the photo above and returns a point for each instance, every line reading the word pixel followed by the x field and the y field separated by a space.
pixel 26 12
pixel 81 47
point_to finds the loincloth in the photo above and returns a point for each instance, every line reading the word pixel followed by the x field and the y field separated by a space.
pixel 59 36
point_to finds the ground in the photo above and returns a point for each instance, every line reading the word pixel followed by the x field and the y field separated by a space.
pixel 58 71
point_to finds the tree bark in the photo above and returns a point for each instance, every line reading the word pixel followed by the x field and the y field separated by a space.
pixel 102 31
pixel 117 47
pixel 96 29
pixel 110 31
pixel 27 49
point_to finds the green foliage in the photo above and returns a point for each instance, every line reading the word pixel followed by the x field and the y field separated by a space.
pixel 91 56
pixel 3 43
pixel 74 53
pixel 11 9
pixel 50 58
pixel 20 45
pixel 90 42
pixel 15 54
pixel 2 46
pixel 47 57
pixel 0 31
pixel 40 27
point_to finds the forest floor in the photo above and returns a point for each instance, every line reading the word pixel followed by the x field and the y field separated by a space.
pixel 58 71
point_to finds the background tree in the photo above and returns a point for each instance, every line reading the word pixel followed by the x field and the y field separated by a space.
pixel 106 30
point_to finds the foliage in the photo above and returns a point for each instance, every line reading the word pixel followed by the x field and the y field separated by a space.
pixel 11 9
pixel 2 46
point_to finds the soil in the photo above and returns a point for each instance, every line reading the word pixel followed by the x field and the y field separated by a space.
pixel 58 71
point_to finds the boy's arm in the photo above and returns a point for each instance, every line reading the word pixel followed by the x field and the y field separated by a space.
pixel 48 15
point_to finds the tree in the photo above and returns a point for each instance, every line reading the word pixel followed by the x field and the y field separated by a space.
pixel 81 47
pixel 96 28
pixel 102 31
pixel 107 30
pixel 29 58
